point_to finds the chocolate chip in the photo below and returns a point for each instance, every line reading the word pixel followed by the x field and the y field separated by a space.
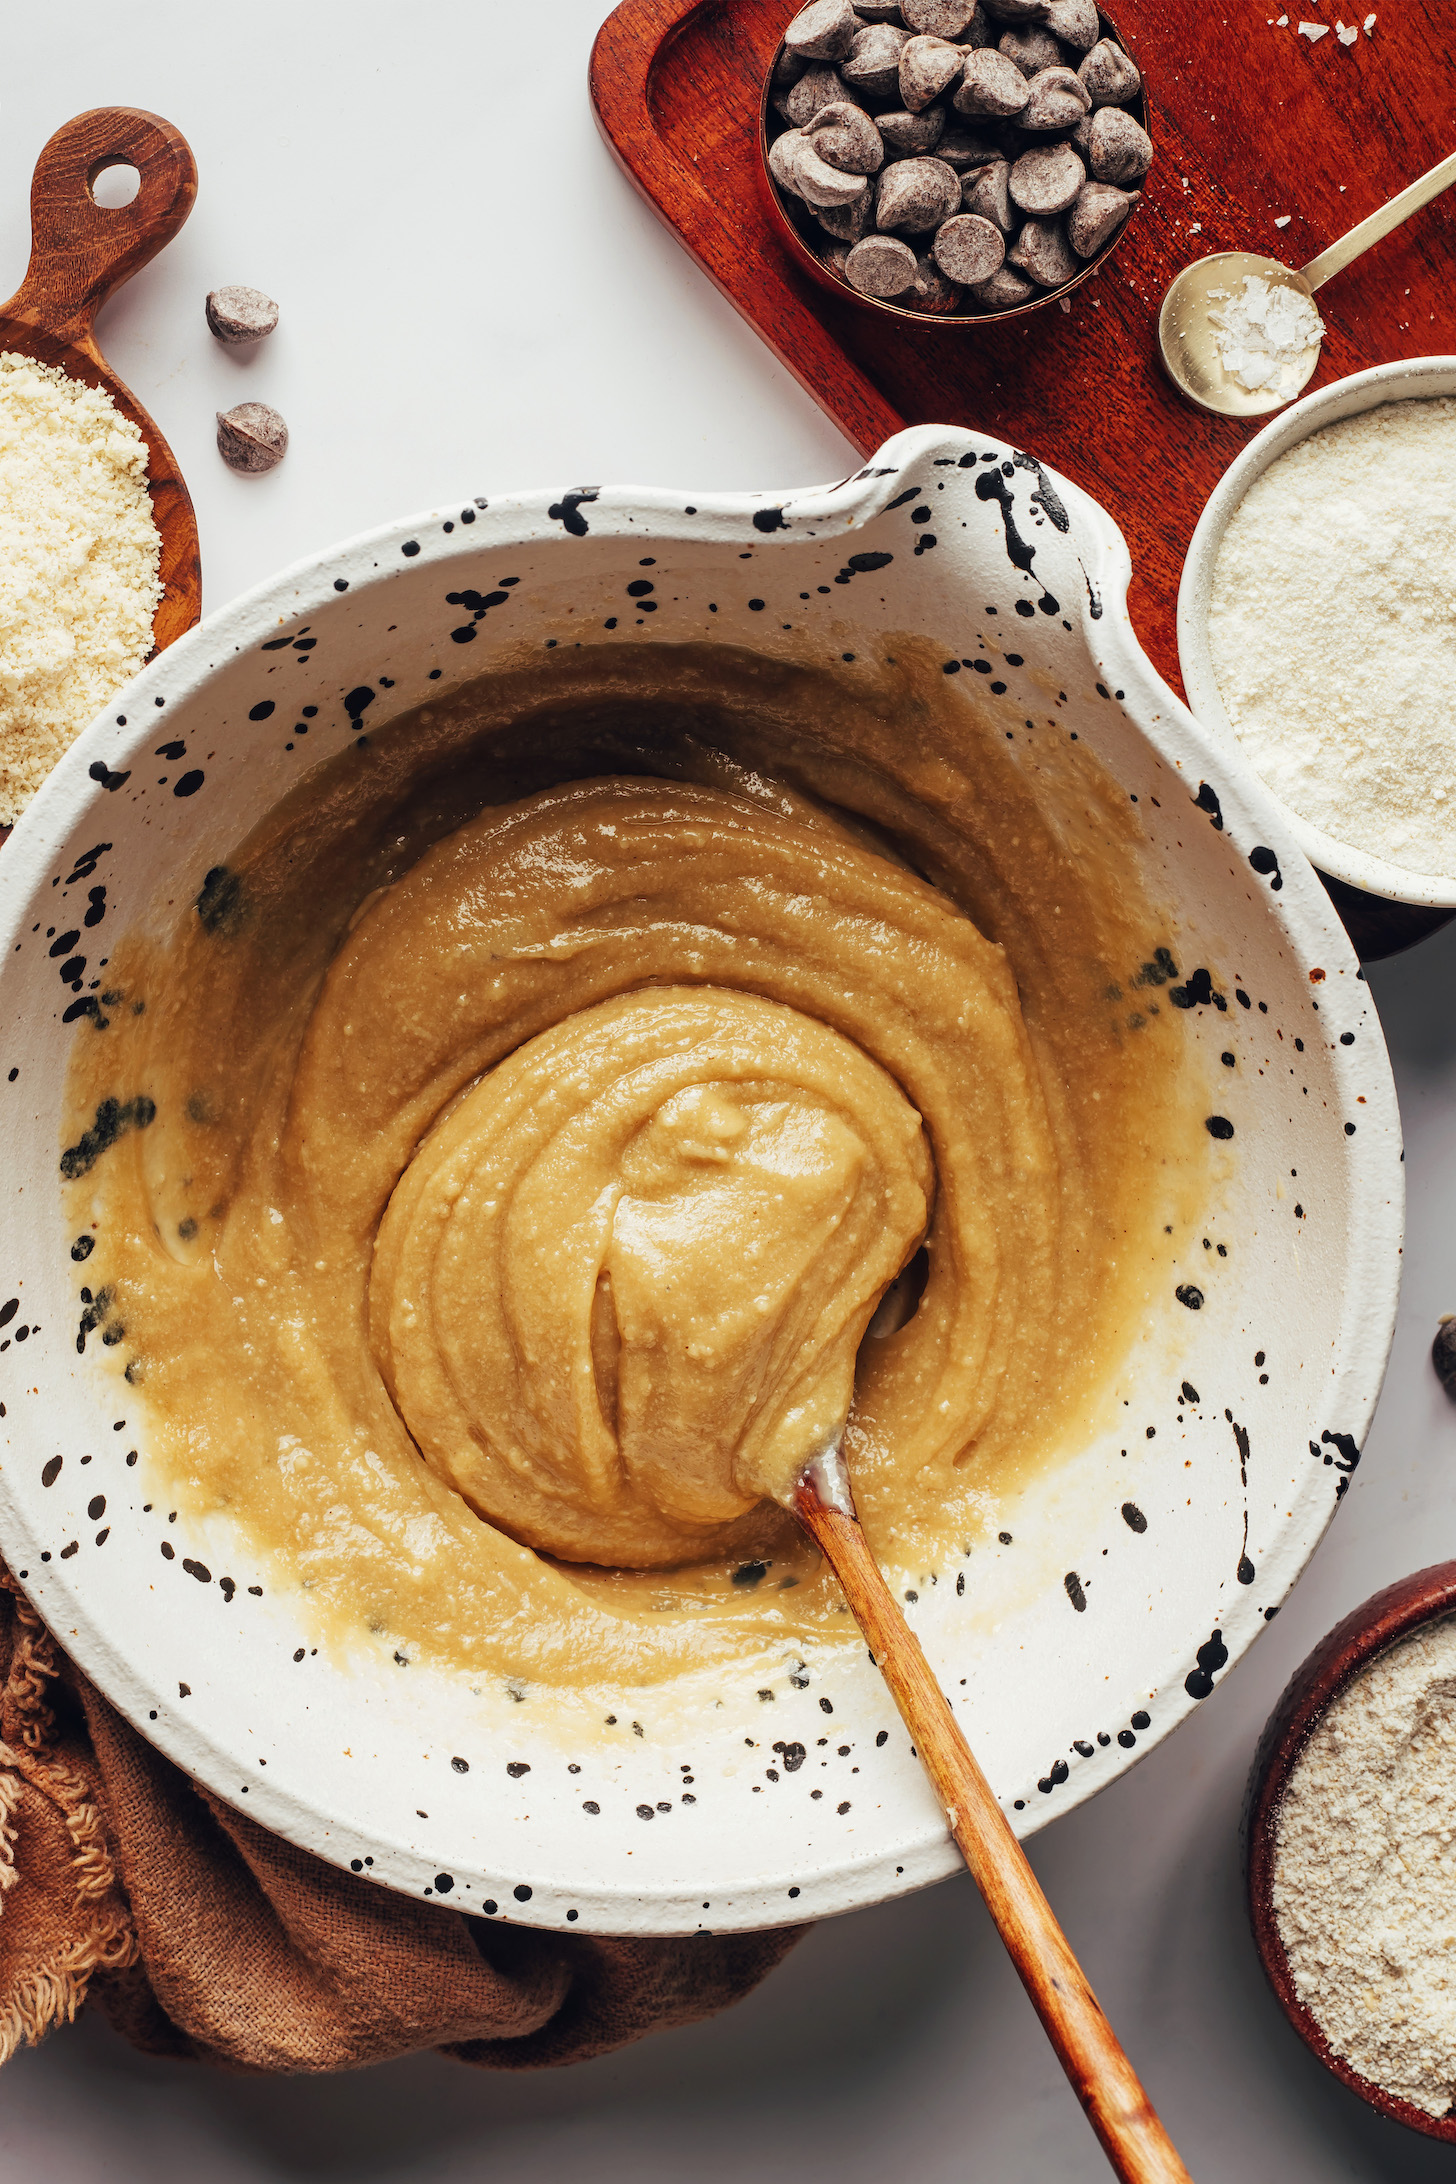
pixel 1443 1356
pixel 1057 100
pixel 873 66
pixel 931 290
pixel 1075 22
pixel 846 138
pixel 1006 290
pixel 847 223
pixel 939 18
pixel 816 88
pixel 252 437
pixel 917 194
pixel 1096 217
pixel 819 183
pixel 1041 249
pixel 1046 181
pixel 908 135
pixel 823 31
pixel 928 66
pixel 1030 49
pixel 1108 76
pixel 987 191
pixel 880 266
pixel 969 248
pixel 240 316
pixel 963 148
pixel 1119 151
pixel 993 86
pixel 1017 11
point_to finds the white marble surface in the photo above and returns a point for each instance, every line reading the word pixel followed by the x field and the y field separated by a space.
pixel 473 299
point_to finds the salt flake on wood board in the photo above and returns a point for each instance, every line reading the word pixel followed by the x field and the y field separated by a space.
pixel 1314 31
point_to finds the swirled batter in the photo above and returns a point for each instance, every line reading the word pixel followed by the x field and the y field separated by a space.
pixel 530 1118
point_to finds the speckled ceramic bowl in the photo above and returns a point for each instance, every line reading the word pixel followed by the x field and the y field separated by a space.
pixel 1123 1586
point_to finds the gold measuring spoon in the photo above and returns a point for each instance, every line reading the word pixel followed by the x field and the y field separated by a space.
pixel 1188 337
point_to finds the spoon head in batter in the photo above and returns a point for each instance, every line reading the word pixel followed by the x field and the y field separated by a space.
pixel 1189 340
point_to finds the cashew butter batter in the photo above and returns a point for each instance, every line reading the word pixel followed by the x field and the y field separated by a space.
pixel 521 1132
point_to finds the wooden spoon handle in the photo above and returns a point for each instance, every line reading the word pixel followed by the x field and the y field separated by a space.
pixel 80 251
pixel 1105 2082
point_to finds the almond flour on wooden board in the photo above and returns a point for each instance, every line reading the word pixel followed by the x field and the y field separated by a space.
pixel 1365 1871
pixel 79 561
pixel 1332 631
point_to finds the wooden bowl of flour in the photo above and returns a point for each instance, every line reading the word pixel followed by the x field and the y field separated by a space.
pixel 1351 1647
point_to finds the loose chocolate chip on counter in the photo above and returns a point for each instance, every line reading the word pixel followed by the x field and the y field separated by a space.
pixel 1042 250
pixel 873 66
pixel 939 18
pixel 846 138
pixel 239 316
pixel 917 194
pixel 1004 290
pixel 1031 49
pixel 928 66
pixel 969 248
pixel 1443 1354
pixel 986 190
pixel 1075 22
pixel 1118 149
pixel 1057 100
pixel 817 87
pixel 252 437
pixel 1096 217
pixel 1047 180
pixel 930 290
pixel 823 31
pixel 909 136
pixel 966 148
pixel 992 86
pixel 880 266
pixel 1108 75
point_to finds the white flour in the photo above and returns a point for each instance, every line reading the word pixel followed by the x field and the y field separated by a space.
pixel 1365 1871
pixel 1332 630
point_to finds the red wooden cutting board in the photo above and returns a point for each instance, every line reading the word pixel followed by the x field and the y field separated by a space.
pixel 1253 123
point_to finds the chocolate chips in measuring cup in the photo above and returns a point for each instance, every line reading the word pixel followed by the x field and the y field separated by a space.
pixel 955 156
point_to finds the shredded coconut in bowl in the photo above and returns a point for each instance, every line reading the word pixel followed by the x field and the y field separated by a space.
pixel 1332 631
pixel 1365 1871
pixel 79 560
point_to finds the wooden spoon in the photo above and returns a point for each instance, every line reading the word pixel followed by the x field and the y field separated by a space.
pixel 80 252
pixel 1103 2079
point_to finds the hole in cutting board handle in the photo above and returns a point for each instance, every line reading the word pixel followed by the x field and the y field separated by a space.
pixel 113 184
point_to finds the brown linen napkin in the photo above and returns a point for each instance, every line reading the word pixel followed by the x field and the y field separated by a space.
pixel 199 1934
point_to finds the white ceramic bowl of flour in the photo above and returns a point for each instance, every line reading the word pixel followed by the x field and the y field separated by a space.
pixel 1361 810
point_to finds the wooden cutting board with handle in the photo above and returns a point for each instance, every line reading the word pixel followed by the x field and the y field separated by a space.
pixel 80 254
